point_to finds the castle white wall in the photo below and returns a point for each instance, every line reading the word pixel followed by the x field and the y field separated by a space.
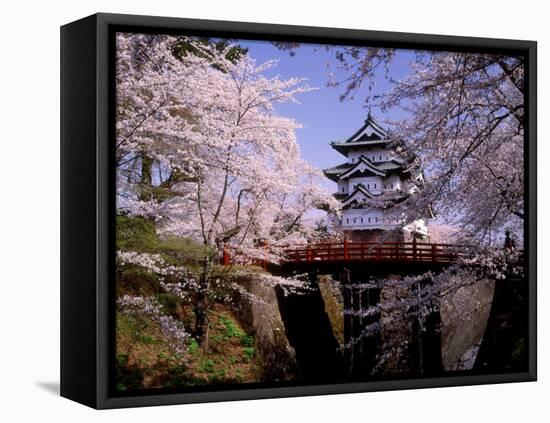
pixel 343 187
pixel 367 219
pixel 393 182
pixel 373 183
pixel 375 155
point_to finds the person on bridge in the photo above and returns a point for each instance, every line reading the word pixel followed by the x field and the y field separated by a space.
pixel 509 243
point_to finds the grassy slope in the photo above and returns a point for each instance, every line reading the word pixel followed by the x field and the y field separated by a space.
pixel 145 361
pixel 143 358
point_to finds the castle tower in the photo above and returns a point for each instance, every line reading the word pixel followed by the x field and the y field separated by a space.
pixel 372 180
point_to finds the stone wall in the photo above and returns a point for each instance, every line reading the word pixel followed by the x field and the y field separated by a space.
pixel 262 317
pixel 334 305
pixel 464 308
pixel 464 315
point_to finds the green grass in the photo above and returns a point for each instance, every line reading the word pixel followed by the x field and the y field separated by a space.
pixel 139 234
pixel 231 329
pixel 247 341
pixel 206 365
pixel 121 359
pixel 249 353
pixel 169 302
pixel 193 347
pixel 136 326
pixel 145 360
pixel 217 375
pixel 149 340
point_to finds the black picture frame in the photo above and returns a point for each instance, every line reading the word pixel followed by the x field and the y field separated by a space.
pixel 87 224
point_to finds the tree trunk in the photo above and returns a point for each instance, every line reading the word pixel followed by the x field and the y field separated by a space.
pixel 146 178
pixel 201 320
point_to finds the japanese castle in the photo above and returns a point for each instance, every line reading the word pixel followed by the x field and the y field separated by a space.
pixel 370 182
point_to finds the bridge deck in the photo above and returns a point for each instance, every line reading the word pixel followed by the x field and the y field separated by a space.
pixel 373 251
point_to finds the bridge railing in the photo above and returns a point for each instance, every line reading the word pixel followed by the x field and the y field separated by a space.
pixel 374 251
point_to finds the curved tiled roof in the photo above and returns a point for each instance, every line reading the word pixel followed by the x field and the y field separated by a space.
pixel 371 133
pixel 391 165
pixel 380 169
pixel 334 172
pixel 360 189
pixel 376 132
pixel 365 162
pixel 340 168
pixel 358 143
pixel 383 200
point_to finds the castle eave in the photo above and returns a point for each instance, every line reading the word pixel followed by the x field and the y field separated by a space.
pixel 363 165
pixel 343 147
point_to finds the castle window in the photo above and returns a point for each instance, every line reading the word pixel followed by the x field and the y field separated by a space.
pixel 380 157
pixel 342 189
pixel 354 220
pixel 347 220
pixel 361 220
pixel 369 219
pixel 376 219
pixel 391 186
pixel 368 186
pixel 374 185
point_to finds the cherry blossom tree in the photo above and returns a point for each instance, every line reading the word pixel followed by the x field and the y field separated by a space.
pixel 202 151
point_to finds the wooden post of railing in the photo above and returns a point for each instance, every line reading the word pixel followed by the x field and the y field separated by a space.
pixel 414 248
pixel 309 256
pixel 345 249
pixel 434 252
pixel 329 252
pixel 226 258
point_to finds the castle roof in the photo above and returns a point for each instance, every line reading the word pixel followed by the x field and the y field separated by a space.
pixel 360 194
pixel 363 166
pixel 334 172
pixel 371 134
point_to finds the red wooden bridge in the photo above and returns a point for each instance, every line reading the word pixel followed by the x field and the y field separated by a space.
pixel 374 251
pixel 370 252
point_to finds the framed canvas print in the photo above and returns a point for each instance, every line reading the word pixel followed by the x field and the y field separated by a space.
pixel 256 211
